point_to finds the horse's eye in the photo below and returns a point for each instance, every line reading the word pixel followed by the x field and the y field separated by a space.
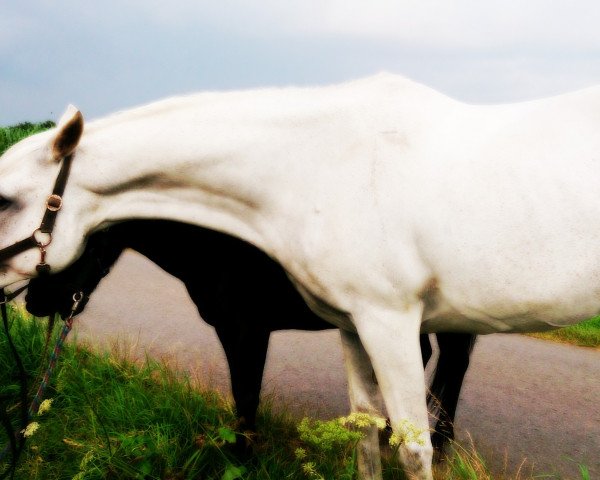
pixel 4 203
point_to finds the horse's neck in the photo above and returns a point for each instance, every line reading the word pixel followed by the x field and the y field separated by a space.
pixel 205 168
pixel 269 167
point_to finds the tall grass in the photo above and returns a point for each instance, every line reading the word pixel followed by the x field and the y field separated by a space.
pixel 112 418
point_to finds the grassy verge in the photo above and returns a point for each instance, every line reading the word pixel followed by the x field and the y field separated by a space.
pixel 585 334
pixel 111 418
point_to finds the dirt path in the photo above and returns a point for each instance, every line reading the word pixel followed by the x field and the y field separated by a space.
pixel 522 398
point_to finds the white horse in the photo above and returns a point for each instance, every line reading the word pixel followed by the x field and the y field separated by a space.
pixel 393 208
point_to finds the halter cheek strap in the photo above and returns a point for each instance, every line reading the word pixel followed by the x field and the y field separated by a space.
pixel 42 236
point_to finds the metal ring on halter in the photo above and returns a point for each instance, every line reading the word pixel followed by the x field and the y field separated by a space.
pixel 40 243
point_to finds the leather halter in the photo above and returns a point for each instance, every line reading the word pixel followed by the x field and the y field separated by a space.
pixel 42 236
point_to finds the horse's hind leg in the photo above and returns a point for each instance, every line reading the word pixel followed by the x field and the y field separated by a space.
pixel 391 339
pixel 426 350
pixel 365 397
pixel 455 351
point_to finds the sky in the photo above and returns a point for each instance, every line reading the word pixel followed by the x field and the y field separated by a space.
pixel 109 55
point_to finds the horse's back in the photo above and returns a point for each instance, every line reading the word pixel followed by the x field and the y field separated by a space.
pixel 509 218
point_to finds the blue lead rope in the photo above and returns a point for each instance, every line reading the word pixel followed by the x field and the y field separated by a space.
pixel 41 391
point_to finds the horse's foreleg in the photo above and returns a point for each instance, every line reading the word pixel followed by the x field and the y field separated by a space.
pixel 391 338
pixel 246 351
pixel 365 397
pixel 455 350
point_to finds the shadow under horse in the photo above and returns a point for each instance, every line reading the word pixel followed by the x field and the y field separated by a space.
pixel 244 295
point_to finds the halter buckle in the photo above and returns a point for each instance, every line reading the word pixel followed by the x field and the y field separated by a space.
pixel 54 202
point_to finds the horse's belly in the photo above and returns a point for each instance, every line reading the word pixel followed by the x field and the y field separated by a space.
pixel 455 322
pixel 483 318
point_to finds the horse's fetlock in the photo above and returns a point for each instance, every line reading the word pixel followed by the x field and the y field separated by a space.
pixel 417 460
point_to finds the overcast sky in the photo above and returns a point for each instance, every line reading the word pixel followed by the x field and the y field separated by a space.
pixel 108 55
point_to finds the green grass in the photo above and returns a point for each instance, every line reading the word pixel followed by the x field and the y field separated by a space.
pixel 112 418
pixel 11 135
pixel 585 334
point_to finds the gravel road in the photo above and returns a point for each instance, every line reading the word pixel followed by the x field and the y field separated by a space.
pixel 523 398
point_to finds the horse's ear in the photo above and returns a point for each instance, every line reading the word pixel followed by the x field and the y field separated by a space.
pixel 70 128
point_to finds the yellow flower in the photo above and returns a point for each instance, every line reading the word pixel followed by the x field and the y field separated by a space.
pixel 31 429
pixel 310 470
pixel 45 406
pixel 361 419
pixel 300 453
pixel 406 432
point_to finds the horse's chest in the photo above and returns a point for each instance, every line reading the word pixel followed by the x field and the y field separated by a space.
pixel 324 310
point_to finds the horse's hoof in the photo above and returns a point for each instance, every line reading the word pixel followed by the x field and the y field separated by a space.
pixel 243 448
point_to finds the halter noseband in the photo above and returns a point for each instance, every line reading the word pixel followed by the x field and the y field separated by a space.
pixel 42 236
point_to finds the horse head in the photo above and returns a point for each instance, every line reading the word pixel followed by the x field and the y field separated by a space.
pixel 30 208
